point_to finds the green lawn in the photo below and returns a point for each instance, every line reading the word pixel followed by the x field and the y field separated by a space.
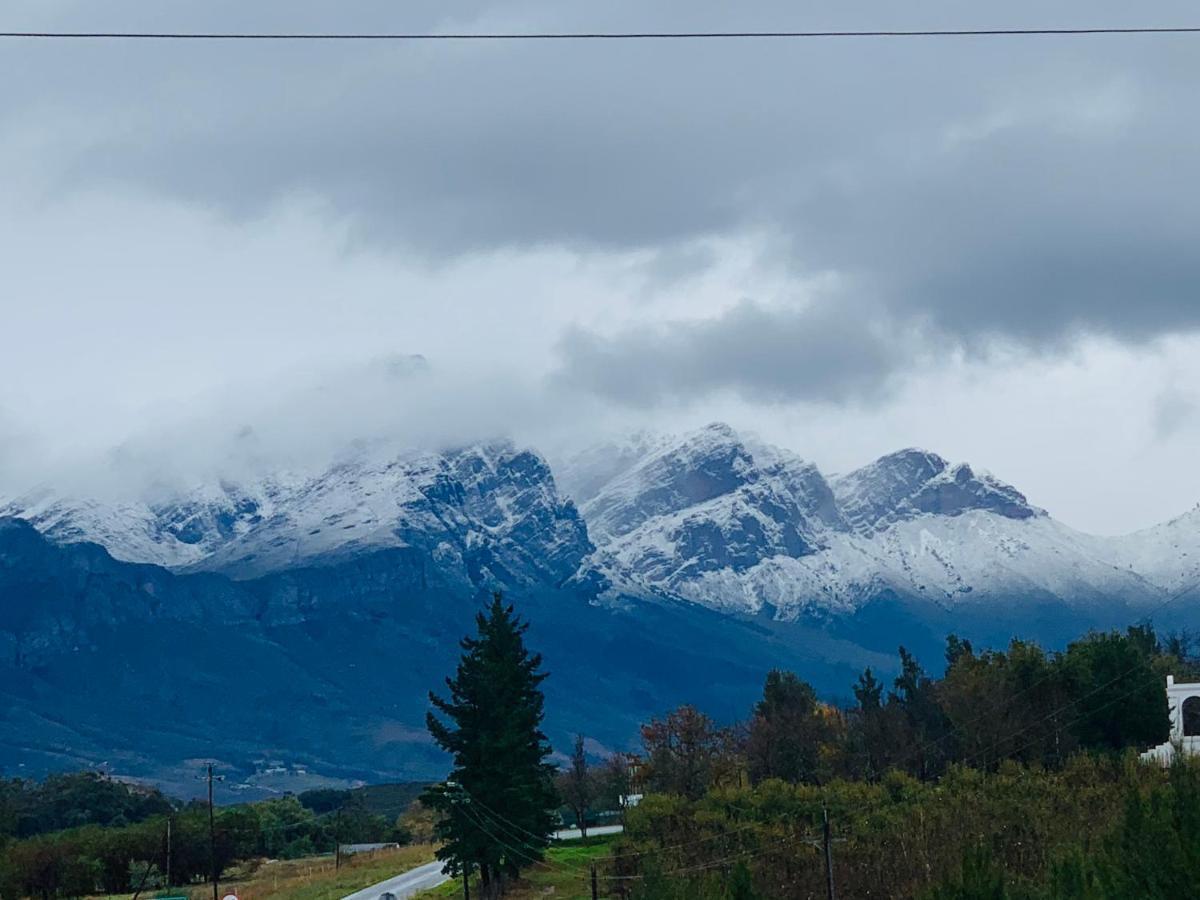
pixel 564 875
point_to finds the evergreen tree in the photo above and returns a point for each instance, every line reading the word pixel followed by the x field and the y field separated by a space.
pixel 497 807
pixel 869 740
pixel 868 691
pixel 786 733
pixel 915 695
pixel 1120 697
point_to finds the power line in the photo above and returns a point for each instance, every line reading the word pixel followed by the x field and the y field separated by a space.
pixel 513 826
pixel 1140 664
pixel 523 849
pixel 586 35
pixel 748 853
pixel 583 871
pixel 1089 712
pixel 483 809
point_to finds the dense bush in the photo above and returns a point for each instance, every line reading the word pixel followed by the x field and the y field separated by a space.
pixel 92 858
pixel 1014 775
pixel 1096 828
pixel 28 808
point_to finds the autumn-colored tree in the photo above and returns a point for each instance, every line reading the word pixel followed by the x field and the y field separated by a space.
pixel 687 754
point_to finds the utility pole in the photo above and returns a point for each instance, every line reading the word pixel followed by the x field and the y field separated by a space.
pixel 168 866
pixel 595 893
pixel 337 840
pixel 828 854
pixel 212 829
pixel 466 883
pixel 212 833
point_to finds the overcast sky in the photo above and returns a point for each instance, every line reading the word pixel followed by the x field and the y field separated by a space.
pixel 220 254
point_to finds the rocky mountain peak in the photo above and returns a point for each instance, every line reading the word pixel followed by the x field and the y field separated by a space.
pixel 706 502
pixel 670 477
pixel 911 482
pixel 490 512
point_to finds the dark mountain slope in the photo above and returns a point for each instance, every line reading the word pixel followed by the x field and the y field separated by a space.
pixel 329 667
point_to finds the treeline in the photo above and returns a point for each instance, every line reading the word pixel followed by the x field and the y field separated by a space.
pixel 1103 693
pixel 109 856
pixel 69 800
pixel 1013 775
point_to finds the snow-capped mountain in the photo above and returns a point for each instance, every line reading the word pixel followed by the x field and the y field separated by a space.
pixel 911 483
pixel 682 569
pixel 707 503
pixel 711 517
pixel 484 511
pixel 1167 554
pixel 735 525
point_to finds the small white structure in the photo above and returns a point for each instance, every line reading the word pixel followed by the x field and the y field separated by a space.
pixel 1183 700
pixel 351 849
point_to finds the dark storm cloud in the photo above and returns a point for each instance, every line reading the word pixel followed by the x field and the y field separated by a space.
pixel 1061 221
pixel 1023 189
pixel 824 353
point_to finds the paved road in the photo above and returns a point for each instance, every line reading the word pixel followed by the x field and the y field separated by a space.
pixel 406 884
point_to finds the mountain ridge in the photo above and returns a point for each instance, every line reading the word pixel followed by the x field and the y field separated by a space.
pixel 489 498
pixel 689 568
pixel 327 668
pixel 909 523
pixel 710 517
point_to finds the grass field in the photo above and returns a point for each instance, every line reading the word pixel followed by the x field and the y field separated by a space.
pixel 314 878
pixel 564 875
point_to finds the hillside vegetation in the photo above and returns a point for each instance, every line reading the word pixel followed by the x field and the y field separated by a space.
pixel 1015 776
pixel 81 834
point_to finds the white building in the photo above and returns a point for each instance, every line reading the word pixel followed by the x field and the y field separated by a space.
pixel 1183 700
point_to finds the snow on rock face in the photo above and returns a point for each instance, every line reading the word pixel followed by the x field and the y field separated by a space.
pixel 973 557
pixel 708 464
pixel 912 482
pixel 712 517
pixel 1167 554
pixel 171 534
pixel 491 511
pixel 705 503
pixel 738 526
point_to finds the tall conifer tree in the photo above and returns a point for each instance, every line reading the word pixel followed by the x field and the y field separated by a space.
pixel 497 806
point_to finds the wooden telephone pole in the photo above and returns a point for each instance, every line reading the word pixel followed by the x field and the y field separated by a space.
pixel 828 854
pixel 212 833
pixel 337 839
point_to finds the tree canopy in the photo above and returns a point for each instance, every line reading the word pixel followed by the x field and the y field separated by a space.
pixel 497 806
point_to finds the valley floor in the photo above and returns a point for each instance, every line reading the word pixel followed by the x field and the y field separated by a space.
pixel 311 878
